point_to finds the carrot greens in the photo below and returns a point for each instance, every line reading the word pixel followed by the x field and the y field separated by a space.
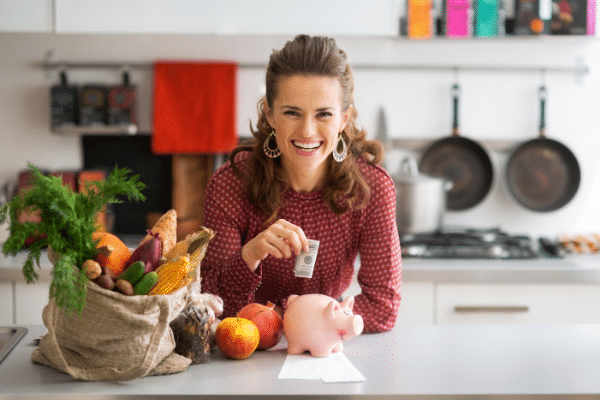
pixel 67 224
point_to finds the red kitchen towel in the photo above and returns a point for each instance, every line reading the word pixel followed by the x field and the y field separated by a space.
pixel 194 107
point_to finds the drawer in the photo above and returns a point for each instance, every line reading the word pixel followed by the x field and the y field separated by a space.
pixel 30 300
pixel 6 301
pixel 517 303
pixel 417 305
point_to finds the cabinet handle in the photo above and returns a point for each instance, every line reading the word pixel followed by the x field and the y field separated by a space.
pixel 491 309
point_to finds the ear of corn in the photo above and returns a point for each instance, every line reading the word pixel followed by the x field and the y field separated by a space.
pixel 200 244
pixel 171 275
pixel 190 243
pixel 180 249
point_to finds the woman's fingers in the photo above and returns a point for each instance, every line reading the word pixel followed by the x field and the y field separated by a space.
pixel 293 235
pixel 274 245
pixel 281 240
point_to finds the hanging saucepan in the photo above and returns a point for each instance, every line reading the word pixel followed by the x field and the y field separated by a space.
pixel 543 174
pixel 463 162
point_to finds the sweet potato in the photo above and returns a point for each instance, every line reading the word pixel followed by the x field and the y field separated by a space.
pixel 166 228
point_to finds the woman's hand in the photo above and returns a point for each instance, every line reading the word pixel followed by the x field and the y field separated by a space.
pixel 281 240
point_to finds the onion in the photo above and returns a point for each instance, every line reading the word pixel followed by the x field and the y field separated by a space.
pixel 149 251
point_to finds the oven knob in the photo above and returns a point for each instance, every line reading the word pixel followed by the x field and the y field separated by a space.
pixel 497 251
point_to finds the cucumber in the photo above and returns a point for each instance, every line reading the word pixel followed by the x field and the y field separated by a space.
pixel 134 272
pixel 146 283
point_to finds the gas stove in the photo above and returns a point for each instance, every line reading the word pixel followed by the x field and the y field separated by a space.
pixel 469 243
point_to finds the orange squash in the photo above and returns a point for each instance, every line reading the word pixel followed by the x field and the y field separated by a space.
pixel 113 253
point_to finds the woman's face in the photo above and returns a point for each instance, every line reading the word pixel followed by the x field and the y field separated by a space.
pixel 307 117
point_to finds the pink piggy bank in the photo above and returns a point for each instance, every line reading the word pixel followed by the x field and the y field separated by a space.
pixel 319 324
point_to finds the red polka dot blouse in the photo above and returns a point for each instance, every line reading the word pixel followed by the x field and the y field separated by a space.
pixel 370 232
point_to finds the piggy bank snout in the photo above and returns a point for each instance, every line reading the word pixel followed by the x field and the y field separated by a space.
pixel 358 325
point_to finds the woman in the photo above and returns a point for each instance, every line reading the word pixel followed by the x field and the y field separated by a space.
pixel 309 174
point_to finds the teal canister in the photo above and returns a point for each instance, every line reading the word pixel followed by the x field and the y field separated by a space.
pixel 489 18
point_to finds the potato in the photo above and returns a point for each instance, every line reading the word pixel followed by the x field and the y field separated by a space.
pixel 124 286
pixel 105 281
pixel 92 269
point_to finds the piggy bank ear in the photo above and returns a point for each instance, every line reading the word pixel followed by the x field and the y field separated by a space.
pixel 331 308
pixel 348 302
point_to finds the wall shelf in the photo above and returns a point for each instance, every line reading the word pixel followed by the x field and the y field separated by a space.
pixel 66 130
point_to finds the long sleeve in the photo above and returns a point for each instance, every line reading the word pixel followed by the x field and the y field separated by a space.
pixel 380 270
pixel 223 270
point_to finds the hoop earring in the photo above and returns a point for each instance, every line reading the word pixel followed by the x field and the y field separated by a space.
pixel 339 157
pixel 273 153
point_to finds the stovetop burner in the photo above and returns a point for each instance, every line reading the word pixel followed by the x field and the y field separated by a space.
pixel 467 243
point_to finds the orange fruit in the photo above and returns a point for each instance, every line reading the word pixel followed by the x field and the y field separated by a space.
pixel 237 338
pixel 536 25
pixel 113 253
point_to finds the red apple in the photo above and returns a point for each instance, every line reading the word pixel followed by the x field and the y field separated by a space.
pixel 237 338
pixel 268 321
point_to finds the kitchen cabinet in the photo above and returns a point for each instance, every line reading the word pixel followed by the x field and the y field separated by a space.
pixel 517 303
pixel 26 16
pixel 417 305
pixel 30 300
pixel 230 17
pixel 6 304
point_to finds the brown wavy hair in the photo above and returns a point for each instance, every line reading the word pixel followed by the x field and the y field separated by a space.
pixel 345 188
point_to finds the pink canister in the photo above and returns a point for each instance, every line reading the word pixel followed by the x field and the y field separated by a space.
pixel 459 18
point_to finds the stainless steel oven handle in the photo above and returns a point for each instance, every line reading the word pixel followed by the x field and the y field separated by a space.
pixel 491 309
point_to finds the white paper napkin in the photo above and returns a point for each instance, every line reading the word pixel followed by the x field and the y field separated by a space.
pixel 335 368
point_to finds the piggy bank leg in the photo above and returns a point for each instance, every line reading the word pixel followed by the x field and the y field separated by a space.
pixel 295 349
pixel 320 353
pixel 338 348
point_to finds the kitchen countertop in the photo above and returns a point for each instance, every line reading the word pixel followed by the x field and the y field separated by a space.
pixel 576 268
pixel 436 361
pixel 579 268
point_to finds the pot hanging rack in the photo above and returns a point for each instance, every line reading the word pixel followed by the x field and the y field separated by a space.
pixel 580 69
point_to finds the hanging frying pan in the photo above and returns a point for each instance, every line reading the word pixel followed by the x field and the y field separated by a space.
pixel 543 174
pixel 462 161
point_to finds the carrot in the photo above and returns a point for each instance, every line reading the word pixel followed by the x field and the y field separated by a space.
pixel 166 228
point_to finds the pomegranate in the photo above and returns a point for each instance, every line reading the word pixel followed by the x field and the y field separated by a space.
pixel 268 321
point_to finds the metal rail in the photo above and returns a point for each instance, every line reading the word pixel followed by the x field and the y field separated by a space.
pixel 580 69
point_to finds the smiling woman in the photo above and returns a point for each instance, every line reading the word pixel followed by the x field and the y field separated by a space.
pixel 309 174
pixel 307 119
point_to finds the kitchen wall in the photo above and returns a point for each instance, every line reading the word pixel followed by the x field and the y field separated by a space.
pixel 417 103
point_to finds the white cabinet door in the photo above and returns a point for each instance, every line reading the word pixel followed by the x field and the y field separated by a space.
pixel 517 303
pixel 26 15
pixel 6 302
pixel 30 300
pixel 417 305
pixel 239 17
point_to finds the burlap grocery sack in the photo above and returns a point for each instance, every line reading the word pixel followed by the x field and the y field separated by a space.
pixel 117 338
